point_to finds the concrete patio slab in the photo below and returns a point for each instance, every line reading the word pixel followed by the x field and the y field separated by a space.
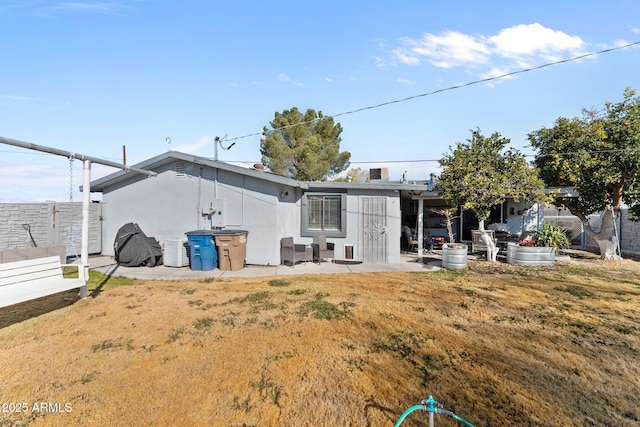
pixel 107 265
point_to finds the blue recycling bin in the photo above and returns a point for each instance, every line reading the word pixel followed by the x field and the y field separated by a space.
pixel 202 250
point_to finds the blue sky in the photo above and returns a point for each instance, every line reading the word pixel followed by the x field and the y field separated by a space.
pixel 90 77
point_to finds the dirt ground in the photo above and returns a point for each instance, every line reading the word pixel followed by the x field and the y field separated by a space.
pixel 499 345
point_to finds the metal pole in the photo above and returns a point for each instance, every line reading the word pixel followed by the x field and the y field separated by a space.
pixel 84 249
pixel 420 227
pixel 615 229
pixel 69 154
pixel 86 190
pixel 431 407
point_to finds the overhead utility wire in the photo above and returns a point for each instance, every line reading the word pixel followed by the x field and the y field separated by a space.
pixel 488 79
pixel 566 153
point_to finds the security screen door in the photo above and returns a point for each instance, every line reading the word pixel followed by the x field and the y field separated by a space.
pixel 374 229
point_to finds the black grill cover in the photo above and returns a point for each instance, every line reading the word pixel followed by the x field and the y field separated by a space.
pixel 132 248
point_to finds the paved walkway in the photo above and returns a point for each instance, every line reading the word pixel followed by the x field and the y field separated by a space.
pixel 410 262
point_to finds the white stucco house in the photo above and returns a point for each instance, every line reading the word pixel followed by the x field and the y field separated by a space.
pixel 364 219
pixel 189 193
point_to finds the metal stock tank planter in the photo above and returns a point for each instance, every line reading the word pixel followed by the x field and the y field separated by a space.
pixel 454 255
pixel 530 255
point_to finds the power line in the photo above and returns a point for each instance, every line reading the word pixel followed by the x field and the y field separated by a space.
pixel 396 161
pixel 576 153
pixel 567 153
pixel 474 82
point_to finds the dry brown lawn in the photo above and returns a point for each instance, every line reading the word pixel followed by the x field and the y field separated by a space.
pixel 498 345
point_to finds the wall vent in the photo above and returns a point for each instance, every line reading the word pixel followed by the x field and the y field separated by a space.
pixel 180 169
pixel 348 251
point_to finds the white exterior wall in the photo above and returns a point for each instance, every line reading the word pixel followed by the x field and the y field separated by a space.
pixel 288 218
pixel 355 227
pixel 525 217
pixel 173 203
pixel 169 205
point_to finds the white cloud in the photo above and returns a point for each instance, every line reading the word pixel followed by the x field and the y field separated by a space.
pixel 196 146
pixel 381 62
pixel 17 97
pixel 24 182
pixel 39 182
pixel 621 42
pixel 282 77
pixel 449 49
pixel 516 47
pixel 381 43
pixel 494 73
pixel 89 6
pixel 534 40
pixel 406 82
pixel 405 56
pixel 635 30
pixel 14 173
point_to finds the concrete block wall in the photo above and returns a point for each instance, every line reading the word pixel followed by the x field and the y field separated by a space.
pixel 629 233
pixel 17 219
pixel 50 223
pixel 12 255
pixel 69 227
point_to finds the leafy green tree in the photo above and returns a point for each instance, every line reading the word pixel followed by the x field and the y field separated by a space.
pixel 482 173
pixel 598 155
pixel 304 147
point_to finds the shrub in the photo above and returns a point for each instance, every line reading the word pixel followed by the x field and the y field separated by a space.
pixel 552 236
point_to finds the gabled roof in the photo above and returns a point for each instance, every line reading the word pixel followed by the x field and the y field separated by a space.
pixel 172 156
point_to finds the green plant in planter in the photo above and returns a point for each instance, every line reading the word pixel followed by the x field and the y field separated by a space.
pixel 552 236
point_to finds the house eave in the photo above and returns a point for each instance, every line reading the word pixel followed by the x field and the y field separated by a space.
pixel 563 191
pixel 101 184
pixel 377 186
